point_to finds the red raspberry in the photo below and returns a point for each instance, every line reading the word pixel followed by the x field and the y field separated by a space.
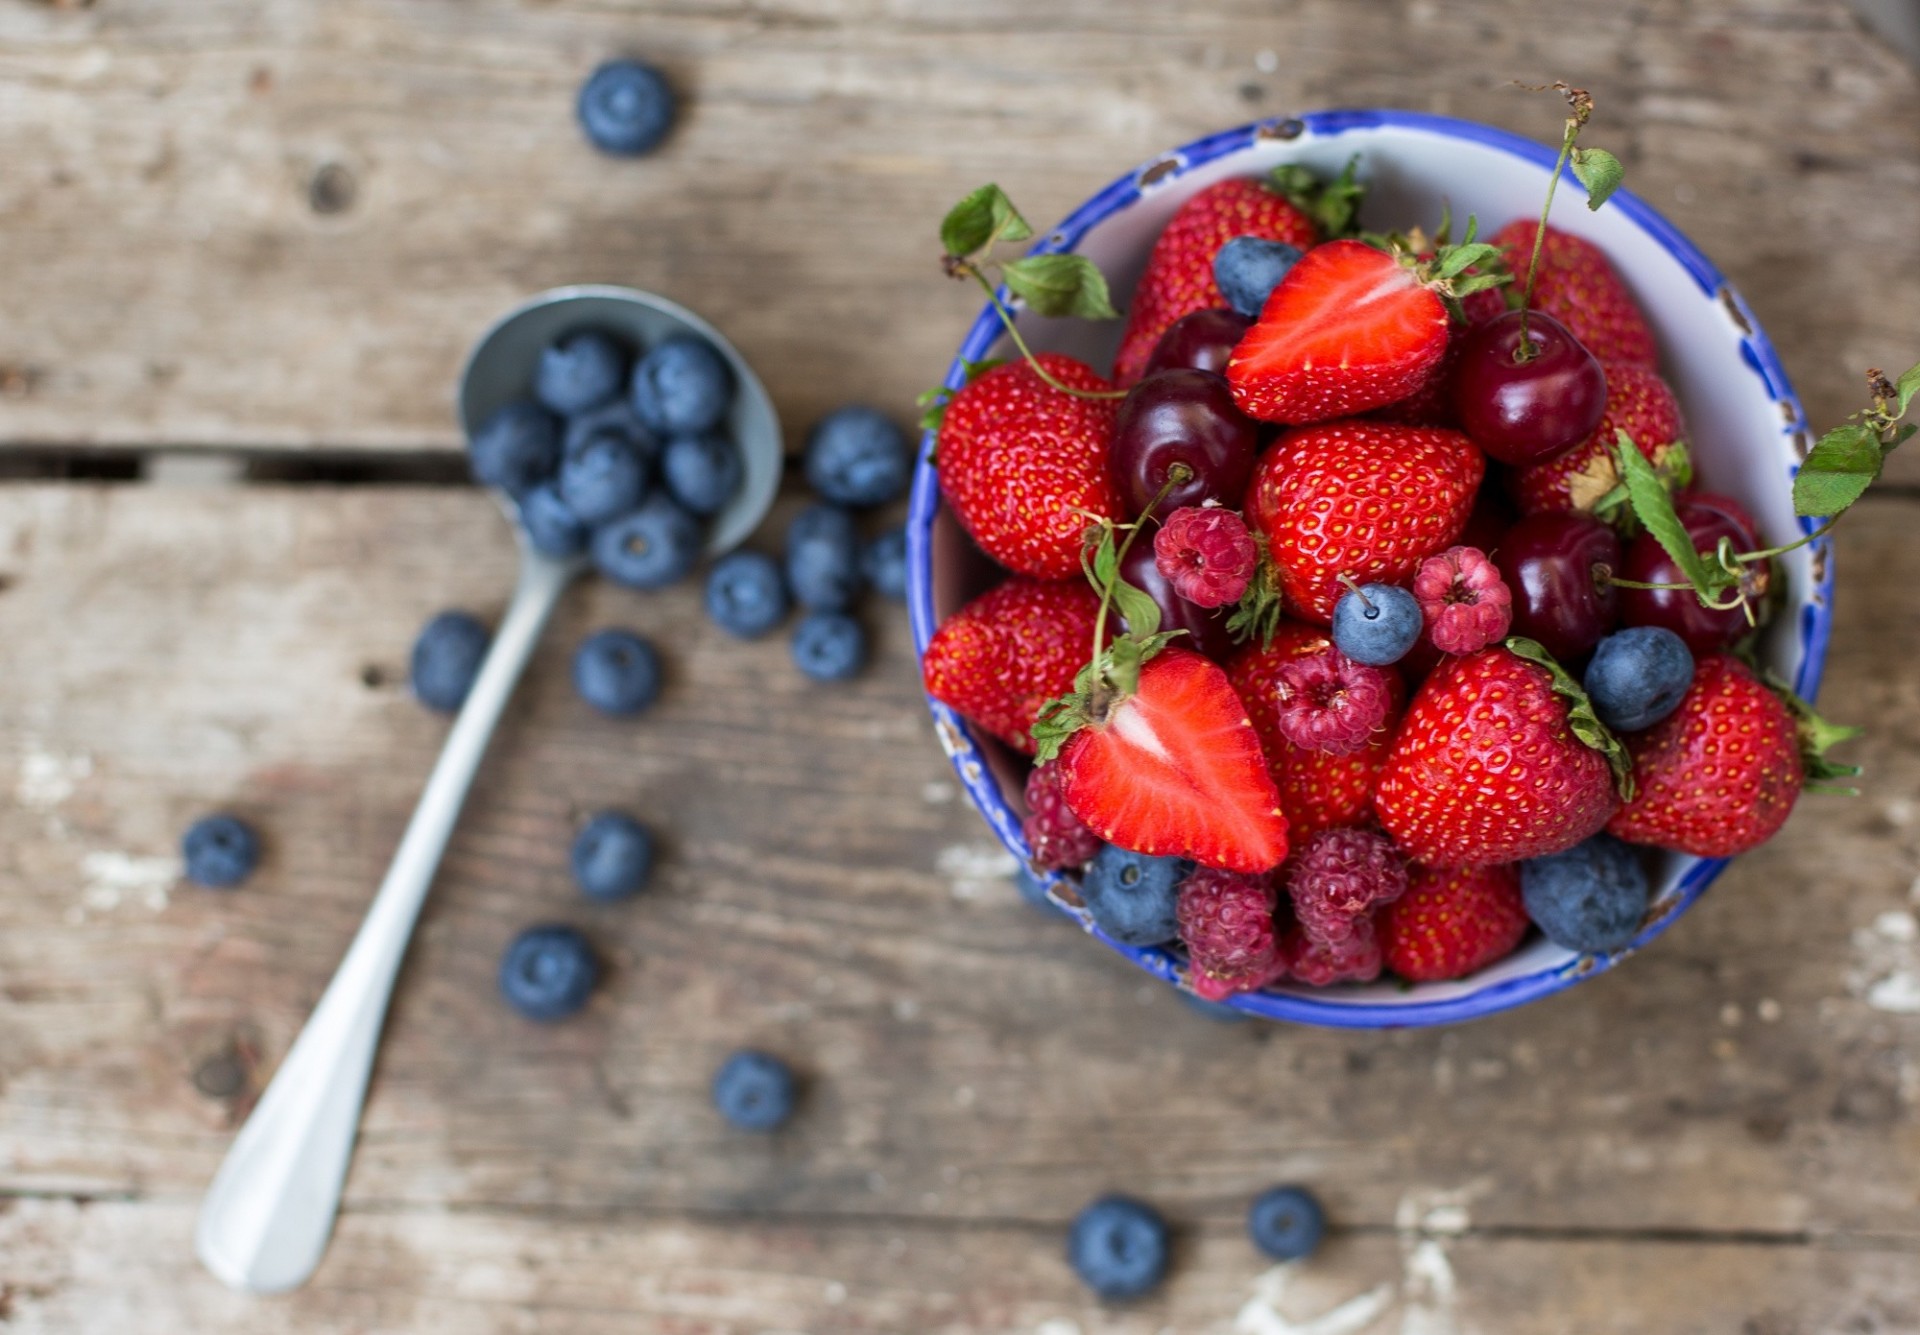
pixel 1328 702
pixel 1056 838
pixel 1226 920
pixel 1339 877
pixel 1354 960
pixel 1466 604
pixel 1207 554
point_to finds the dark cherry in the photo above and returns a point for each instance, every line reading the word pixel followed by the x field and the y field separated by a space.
pixel 1202 341
pixel 1524 412
pixel 1707 519
pixel 1182 417
pixel 1206 627
pixel 1556 567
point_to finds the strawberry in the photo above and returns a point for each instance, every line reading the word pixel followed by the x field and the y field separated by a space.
pixel 1349 328
pixel 1318 791
pixel 1024 464
pixel 1009 651
pixel 1452 922
pixel 1368 500
pixel 1579 288
pixel 1720 774
pixel 1638 403
pixel 1178 279
pixel 1490 764
pixel 1172 768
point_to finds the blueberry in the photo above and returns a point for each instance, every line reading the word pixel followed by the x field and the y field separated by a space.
pixel 858 456
pixel 1214 1010
pixel 548 972
pixel 829 646
pixel 617 672
pixel 1638 676
pixel 603 479
pixel 823 558
pixel 1248 268
pixel 1118 1247
pixel 1131 896
pixel 220 851
pixel 682 387
pixel 516 449
pixel 1377 625
pixel 552 526
pixel 446 658
pixel 617 418
pixel 1286 1223
pixel 612 856
pixel 650 547
pixel 582 370
pixel 746 595
pixel 703 472
pixel 1590 898
pixel 626 108
pixel 755 1091
pixel 884 564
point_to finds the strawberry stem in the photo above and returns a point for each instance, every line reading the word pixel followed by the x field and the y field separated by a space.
pixel 1177 475
pixel 967 267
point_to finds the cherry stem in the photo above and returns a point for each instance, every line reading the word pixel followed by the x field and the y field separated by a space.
pixel 1525 352
pixel 1748 558
pixel 1178 475
pixel 1013 332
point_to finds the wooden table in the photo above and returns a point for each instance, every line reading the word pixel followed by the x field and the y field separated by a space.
pixel 269 231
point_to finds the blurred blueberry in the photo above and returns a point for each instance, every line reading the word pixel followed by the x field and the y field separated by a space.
pixel 823 558
pixel 829 646
pixel 858 456
pixel 755 1091
pixel 1590 898
pixel 582 370
pixel 517 448
pixel 548 972
pixel 612 856
pixel 617 672
pixel 1118 1247
pixel 682 387
pixel 1248 268
pixel 1286 1223
pixel 446 658
pixel 618 418
pixel 1132 896
pixel 552 526
pixel 703 472
pixel 884 564
pixel 220 851
pixel 746 595
pixel 649 547
pixel 626 108
pixel 604 478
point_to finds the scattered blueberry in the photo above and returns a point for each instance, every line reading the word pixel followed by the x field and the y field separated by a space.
pixel 1378 625
pixel 1248 268
pixel 703 472
pixel 517 448
pixel 603 479
pixel 1286 1223
pixel 626 108
pixel 858 456
pixel 446 658
pixel 1132 896
pixel 650 547
pixel 617 672
pixel 552 526
pixel 548 972
pixel 823 558
pixel 746 595
pixel 829 646
pixel 1218 1011
pixel 1590 898
pixel 582 370
pixel 1118 1247
pixel 220 851
pixel 682 387
pixel 617 417
pixel 884 564
pixel 612 856
pixel 755 1091
pixel 1638 676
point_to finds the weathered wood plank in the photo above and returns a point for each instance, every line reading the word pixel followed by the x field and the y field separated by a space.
pixel 167 651
pixel 253 226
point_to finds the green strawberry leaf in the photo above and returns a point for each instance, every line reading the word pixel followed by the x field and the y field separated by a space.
pixel 1599 171
pixel 1257 614
pixel 1653 507
pixel 1905 388
pixel 979 220
pixel 1333 205
pixel 1838 470
pixel 1816 736
pixel 1058 285
pixel 1058 720
pixel 1582 722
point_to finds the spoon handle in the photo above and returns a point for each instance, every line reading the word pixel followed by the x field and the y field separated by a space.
pixel 265 1221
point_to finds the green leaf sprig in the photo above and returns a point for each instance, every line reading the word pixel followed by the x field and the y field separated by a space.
pixel 1845 462
pixel 1595 168
pixel 1333 205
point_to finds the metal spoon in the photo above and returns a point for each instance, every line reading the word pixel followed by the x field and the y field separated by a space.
pixel 266 1219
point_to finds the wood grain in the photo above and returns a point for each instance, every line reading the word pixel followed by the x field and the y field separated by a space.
pixel 280 226
pixel 974 1069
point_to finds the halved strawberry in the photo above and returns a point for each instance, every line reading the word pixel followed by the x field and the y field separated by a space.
pixel 1349 328
pixel 1174 769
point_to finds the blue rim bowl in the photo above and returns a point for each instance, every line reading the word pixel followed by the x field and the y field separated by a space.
pixel 1748 432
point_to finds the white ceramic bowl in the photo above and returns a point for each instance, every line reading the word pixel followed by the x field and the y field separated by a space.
pixel 1746 429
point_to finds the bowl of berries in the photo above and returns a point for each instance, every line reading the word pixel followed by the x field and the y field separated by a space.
pixel 1390 619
